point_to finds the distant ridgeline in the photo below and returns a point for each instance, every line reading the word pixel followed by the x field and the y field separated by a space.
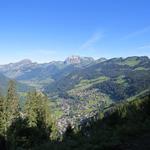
pixel 83 77
pixel 117 78
pixel 81 85
pixel 101 83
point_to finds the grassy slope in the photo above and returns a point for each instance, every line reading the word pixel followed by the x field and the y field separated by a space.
pixel 117 78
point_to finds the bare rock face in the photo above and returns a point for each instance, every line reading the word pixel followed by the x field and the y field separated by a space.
pixel 73 60
pixel 77 60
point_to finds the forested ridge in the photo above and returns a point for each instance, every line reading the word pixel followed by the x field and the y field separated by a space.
pixel 32 127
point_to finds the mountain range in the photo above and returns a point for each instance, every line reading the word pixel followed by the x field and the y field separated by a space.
pixel 119 78
pixel 82 80
pixel 76 74
pixel 93 98
pixel 40 75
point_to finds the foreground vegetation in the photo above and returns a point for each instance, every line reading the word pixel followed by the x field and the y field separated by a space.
pixel 122 126
pixel 23 126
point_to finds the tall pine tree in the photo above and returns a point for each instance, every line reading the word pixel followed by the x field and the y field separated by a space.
pixel 30 109
pixel 37 109
pixel 12 104
pixel 2 115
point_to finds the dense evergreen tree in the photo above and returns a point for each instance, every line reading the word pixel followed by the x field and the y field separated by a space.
pixel 30 109
pixel 2 115
pixel 11 104
pixel 33 125
pixel 37 109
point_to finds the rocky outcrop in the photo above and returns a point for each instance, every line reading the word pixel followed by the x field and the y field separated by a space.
pixel 77 60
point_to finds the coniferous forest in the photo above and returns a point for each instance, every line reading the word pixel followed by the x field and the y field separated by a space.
pixel 122 126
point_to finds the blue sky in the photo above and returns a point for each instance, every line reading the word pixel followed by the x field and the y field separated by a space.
pixel 46 30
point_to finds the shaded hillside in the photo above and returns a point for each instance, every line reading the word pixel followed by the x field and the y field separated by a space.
pixel 118 78
pixel 4 83
pixel 125 127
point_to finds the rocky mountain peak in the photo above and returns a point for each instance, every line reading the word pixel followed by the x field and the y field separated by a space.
pixel 74 59
pixel 25 61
